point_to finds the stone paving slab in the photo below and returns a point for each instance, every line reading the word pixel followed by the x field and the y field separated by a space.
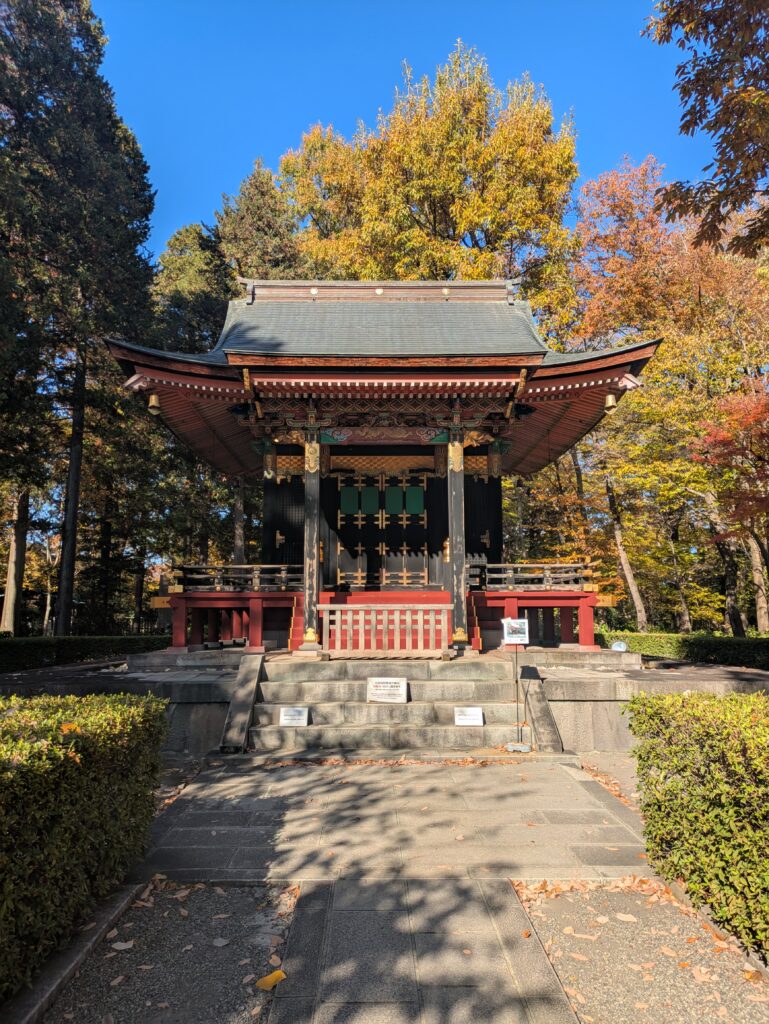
pixel 503 821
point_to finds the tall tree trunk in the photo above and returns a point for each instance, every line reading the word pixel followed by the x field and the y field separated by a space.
pixel 726 548
pixel 759 582
pixel 63 624
pixel 627 569
pixel 684 617
pixel 10 621
pixel 579 481
pixel 139 575
pixel 238 524
pixel 105 616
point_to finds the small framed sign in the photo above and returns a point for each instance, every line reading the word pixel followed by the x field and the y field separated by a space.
pixel 515 631
pixel 468 716
pixel 294 716
pixel 387 690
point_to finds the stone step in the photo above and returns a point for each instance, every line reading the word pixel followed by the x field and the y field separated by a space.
pixel 294 670
pixel 330 690
pixel 385 737
pixel 413 713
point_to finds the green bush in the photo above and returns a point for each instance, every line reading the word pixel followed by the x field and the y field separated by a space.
pixel 77 776
pixel 703 774
pixel 745 652
pixel 23 652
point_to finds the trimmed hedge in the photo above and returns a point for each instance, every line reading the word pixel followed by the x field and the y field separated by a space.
pixel 745 652
pixel 23 652
pixel 77 776
pixel 703 772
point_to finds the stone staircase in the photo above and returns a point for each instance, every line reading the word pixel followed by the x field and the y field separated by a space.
pixel 340 718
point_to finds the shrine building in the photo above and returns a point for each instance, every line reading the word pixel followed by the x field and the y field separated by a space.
pixel 382 417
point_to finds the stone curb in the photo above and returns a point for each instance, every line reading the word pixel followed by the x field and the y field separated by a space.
pixel 29 1005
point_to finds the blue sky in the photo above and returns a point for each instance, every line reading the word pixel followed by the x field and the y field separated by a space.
pixel 209 86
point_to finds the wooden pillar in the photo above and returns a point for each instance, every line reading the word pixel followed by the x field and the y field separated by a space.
pixel 311 539
pixel 567 625
pixel 456 494
pixel 548 626
pixel 196 626
pixel 226 620
pixel 237 624
pixel 532 614
pixel 255 627
pixel 178 622
pixel 213 625
pixel 586 626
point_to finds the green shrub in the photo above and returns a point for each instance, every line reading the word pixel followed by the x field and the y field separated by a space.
pixel 23 652
pixel 746 652
pixel 77 776
pixel 703 769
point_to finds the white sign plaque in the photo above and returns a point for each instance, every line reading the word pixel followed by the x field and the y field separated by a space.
pixel 294 716
pixel 468 716
pixel 387 690
pixel 515 631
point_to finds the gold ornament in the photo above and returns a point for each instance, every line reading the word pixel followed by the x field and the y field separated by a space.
pixel 269 464
pixel 456 456
pixel 310 636
pixel 460 636
pixel 311 457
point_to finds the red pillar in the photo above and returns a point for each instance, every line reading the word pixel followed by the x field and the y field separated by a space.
pixel 586 627
pixel 226 623
pixel 567 625
pixel 532 614
pixel 255 638
pixel 213 625
pixel 196 626
pixel 237 624
pixel 178 622
pixel 548 626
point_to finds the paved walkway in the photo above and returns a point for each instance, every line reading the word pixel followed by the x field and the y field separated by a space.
pixel 404 907
pixel 406 910
pixel 523 821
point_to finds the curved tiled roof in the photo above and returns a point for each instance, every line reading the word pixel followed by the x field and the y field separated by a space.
pixel 371 327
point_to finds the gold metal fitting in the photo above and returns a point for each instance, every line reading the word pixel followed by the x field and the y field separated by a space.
pixel 310 636
pixel 153 404
pixel 460 636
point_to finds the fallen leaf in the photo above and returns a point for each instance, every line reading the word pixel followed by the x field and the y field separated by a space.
pixel 626 917
pixel 700 975
pixel 112 934
pixel 751 975
pixel 242 963
pixel 183 912
pixel 578 956
pixel 602 919
pixel 467 952
pixel 108 956
pixel 221 942
pixel 220 917
pixel 581 935
pixel 526 934
pixel 123 945
pixel 163 1006
pixel 641 1006
pixel 145 967
pixel 186 949
pixel 668 951
pixel 269 981
pixel 684 963
pixel 117 981
pixel 275 960
pixel 575 994
pixel 568 930
pixel 219 891
pixel 248 979
pixel 181 894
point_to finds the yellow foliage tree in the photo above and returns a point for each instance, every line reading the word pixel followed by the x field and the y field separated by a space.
pixel 459 180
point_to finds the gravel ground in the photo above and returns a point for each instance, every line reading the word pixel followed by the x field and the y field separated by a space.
pixel 629 954
pixel 193 956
